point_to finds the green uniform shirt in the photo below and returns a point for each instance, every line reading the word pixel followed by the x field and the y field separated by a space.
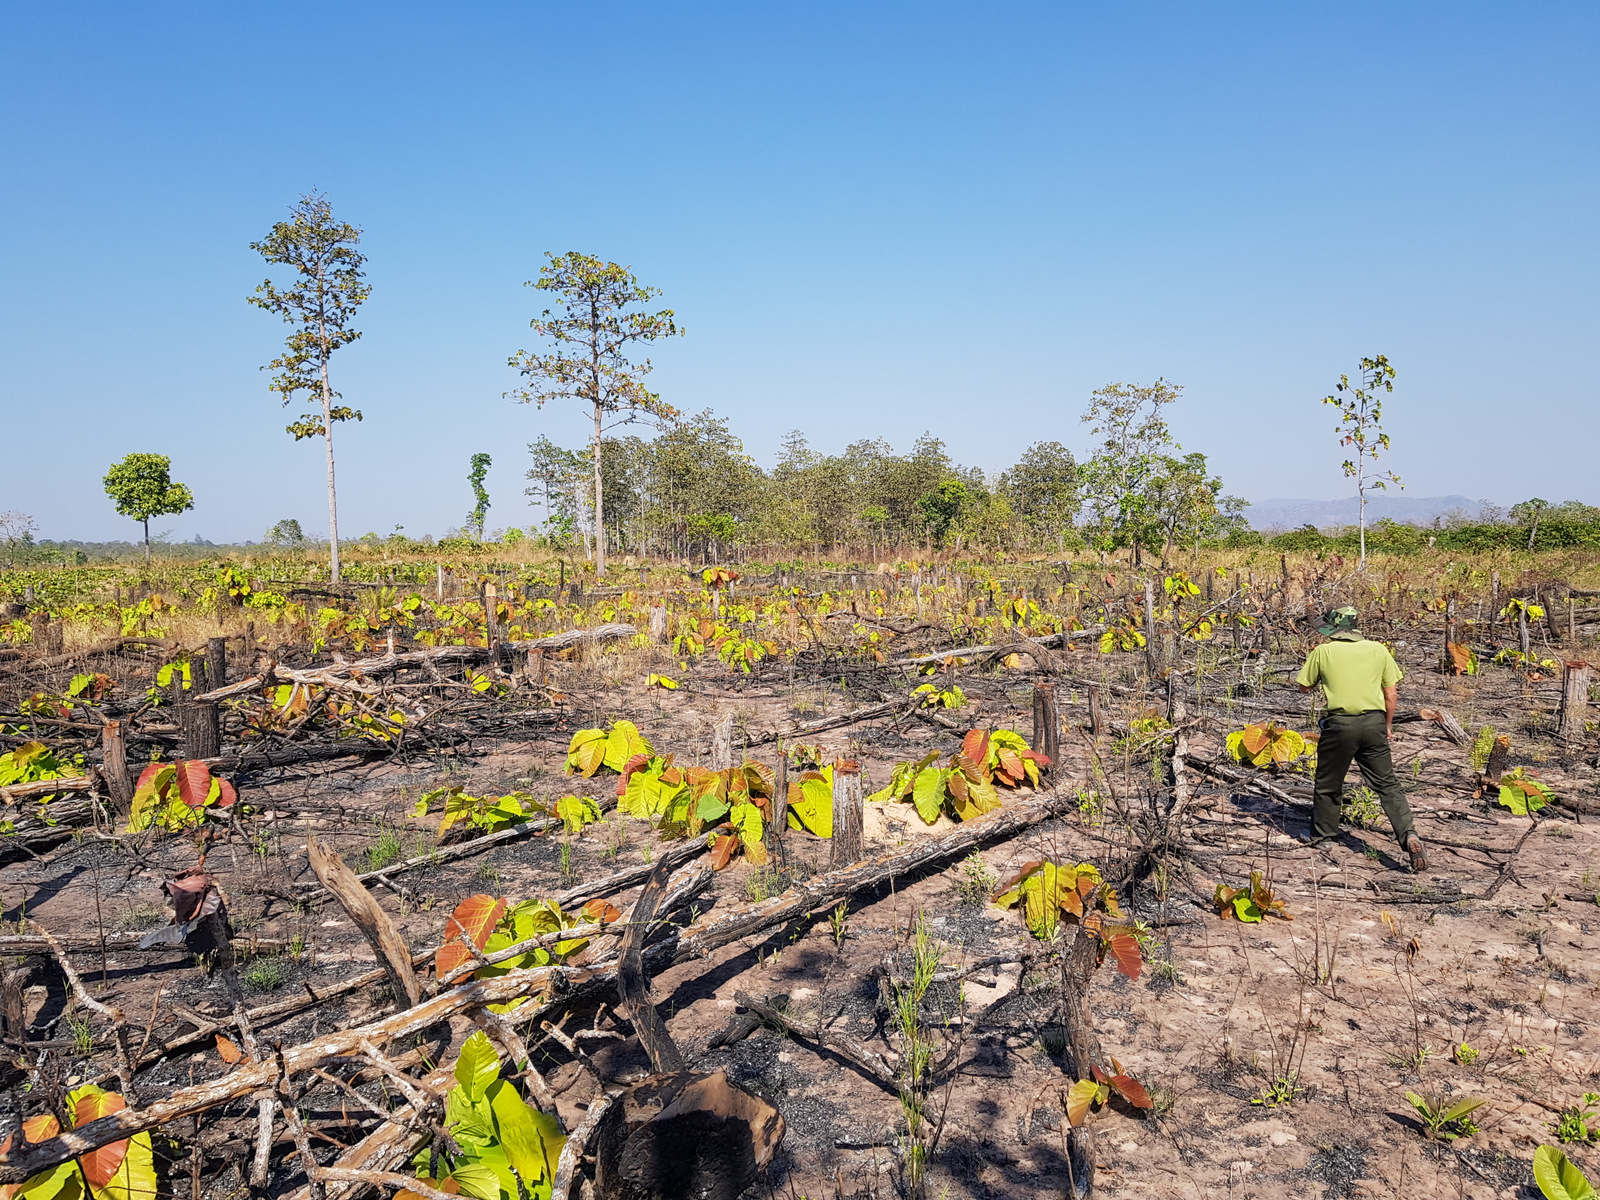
pixel 1353 673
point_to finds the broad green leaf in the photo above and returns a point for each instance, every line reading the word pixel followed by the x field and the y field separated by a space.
pixel 61 1182
pixel 811 803
pixel 1080 1096
pixel 478 1066
pixel 928 791
pixel 577 811
pixel 482 1181
pixel 1558 1177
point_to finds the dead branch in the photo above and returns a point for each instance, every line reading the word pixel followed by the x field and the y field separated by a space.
pixel 369 917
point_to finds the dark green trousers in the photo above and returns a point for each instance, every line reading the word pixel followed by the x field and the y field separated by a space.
pixel 1363 739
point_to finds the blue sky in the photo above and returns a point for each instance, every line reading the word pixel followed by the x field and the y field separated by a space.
pixel 871 219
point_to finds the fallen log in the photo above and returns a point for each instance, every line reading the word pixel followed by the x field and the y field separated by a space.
pixel 866 713
pixel 573 637
pixel 45 787
pixel 1049 642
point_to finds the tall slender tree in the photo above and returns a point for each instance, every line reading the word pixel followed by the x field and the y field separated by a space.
pixel 588 362
pixel 320 301
pixel 1361 428
pixel 481 463
pixel 141 487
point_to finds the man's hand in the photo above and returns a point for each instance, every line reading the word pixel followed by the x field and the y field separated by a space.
pixel 1391 698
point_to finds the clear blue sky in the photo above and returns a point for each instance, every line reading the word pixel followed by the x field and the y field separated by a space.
pixel 871 219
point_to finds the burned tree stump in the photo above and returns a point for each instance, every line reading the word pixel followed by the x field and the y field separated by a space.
pixel 847 814
pixel 722 742
pixel 1574 701
pixel 202 734
pixel 217 661
pixel 1046 723
pixel 114 766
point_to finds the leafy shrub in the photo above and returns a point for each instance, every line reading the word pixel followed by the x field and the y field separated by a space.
pixel 176 796
pixel 1250 903
pixel 1048 890
pixel 1268 745
pixel 591 749
pixel 500 1145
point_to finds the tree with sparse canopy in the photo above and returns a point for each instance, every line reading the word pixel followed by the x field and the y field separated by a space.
pixel 1361 428
pixel 1118 480
pixel 141 487
pixel 480 511
pixel 589 361
pixel 320 302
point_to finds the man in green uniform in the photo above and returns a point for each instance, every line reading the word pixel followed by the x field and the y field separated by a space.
pixel 1360 680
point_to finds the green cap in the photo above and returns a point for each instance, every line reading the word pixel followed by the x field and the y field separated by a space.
pixel 1340 620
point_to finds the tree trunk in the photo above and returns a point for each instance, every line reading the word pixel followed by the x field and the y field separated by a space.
pixel 114 766
pixel 1574 701
pixel 202 736
pixel 217 661
pixel 333 503
pixel 599 502
pixel 722 743
pixel 1046 724
pixel 847 814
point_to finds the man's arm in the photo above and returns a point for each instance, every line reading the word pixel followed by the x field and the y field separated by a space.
pixel 1391 697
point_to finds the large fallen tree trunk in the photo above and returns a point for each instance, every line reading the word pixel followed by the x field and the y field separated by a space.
pixel 559 985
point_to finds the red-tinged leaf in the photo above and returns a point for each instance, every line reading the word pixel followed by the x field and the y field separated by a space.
pixel 101 1164
pixel 1132 1090
pixel 722 851
pixel 1038 756
pixel 1027 869
pixel 628 768
pixel 1079 1097
pixel 41 1128
pixel 449 956
pixel 1099 1075
pixel 602 911
pixel 1071 903
pixel 976 745
pixel 1010 763
pixel 228 1051
pixel 194 782
pixel 149 773
pixel 228 796
pixel 474 918
pixel 1124 947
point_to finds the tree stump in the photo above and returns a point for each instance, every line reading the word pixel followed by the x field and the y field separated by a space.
pixel 217 661
pixel 658 625
pixel 114 766
pixel 202 734
pixel 1574 701
pixel 1046 723
pixel 780 813
pixel 847 813
pixel 722 743
pixel 1095 720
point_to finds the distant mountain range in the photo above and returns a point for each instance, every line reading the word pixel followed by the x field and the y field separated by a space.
pixel 1414 510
